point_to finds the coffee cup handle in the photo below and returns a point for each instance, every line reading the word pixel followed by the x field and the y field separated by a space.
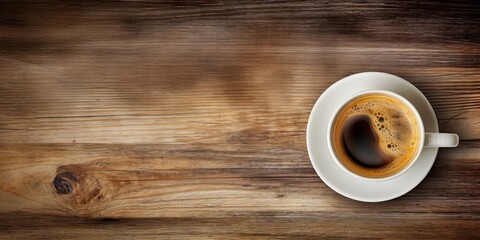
pixel 441 140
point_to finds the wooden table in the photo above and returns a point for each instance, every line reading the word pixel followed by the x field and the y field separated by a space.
pixel 186 120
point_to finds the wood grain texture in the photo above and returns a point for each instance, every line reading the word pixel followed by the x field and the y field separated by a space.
pixel 186 120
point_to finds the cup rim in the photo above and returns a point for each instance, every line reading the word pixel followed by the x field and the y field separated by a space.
pixel 398 97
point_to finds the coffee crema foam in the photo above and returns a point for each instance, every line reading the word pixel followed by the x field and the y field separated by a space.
pixel 375 136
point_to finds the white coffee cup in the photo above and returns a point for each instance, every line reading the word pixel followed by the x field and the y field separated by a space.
pixel 425 140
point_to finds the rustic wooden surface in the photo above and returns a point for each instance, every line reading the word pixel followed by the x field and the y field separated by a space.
pixel 186 120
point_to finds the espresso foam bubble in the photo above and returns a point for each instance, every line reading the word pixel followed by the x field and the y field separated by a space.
pixel 394 125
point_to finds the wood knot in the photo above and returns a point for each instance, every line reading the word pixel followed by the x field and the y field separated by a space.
pixel 63 182
pixel 81 187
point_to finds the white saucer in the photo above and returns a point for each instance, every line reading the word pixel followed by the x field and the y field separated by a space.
pixel 326 167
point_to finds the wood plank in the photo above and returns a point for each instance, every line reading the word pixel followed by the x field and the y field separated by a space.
pixel 50 108
pixel 122 181
pixel 249 225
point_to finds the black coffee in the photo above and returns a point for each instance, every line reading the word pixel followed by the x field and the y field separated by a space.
pixel 361 142
pixel 375 136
